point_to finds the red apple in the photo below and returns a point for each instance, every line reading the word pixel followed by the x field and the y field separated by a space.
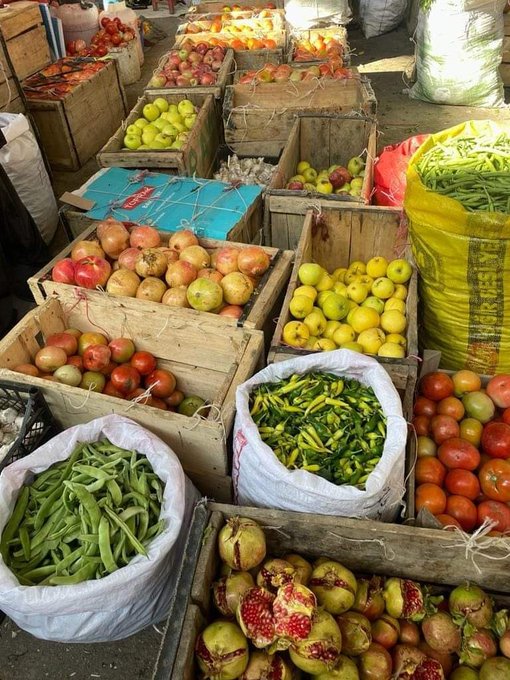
pixel 339 177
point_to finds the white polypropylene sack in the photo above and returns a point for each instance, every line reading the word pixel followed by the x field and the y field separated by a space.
pixel 380 16
pixel 22 161
pixel 309 13
pixel 459 47
pixel 130 598
pixel 261 480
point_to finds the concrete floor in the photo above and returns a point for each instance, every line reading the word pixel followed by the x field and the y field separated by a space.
pixel 385 60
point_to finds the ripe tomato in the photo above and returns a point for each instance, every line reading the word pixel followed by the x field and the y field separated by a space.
pixel 496 440
pixel 111 28
pixel 425 446
pixel 144 362
pixel 466 381
pixel 105 21
pixel 161 382
pixel 436 386
pixel 421 425
pixel 451 406
pixel 113 391
pixel 463 510
pixel 116 39
pixel 429 469
pixel 495 480
pixel 462 483
pixel 458 453
pixel 471 430
pixel 125 378
pixel 496 512
pixel 443 428
pixel 505 416
pixel 430 496
pixel 424 407
pixel 448 521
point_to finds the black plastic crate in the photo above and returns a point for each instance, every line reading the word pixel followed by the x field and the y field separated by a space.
pixel 38 422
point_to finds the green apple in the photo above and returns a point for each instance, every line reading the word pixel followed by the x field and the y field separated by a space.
pixel 150 128
pixel 344 189
pixel 374 302
pixel 185 107
pixel 149 136
pixel 316 323
pixel 161 103
pixel 331 327
pixel 355 165
pixel 308 186
pixel 174 117
pixel 353 346
pixel 306 290
pixel 300 306
pixel 326 282
pixel 383 287
pixel 399 271
pixel 159 123
pixel 170 130
pixel 322 296
pixel 150 112
pixel 143 147
pixel 178 125
pixel 190 120
pixel 335 307
pixel 141 123
pixel 183 136
pixel 156 145
pixel 302 165
pixel 172 108
pixel 132 141
pixel 166 141
pixel 310 273
pixel 134 130
pixel 324 186
pixel 177 144
pixel 356 183
pixel 340 288
pixel 310 175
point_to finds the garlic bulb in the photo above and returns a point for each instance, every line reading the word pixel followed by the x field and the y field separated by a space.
pixel 245 170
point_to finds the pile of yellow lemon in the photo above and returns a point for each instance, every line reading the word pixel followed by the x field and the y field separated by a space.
pixel 361 307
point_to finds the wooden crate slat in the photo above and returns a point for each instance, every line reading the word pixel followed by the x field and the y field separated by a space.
pixel 18 18
pixel 29 52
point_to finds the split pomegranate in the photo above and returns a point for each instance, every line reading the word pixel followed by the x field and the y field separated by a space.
pixel 264 666
pixel 293 609
pixel 275 573
pixel 302 567
pixel 470 603
pixel 404 599
pixel 334 586
pixel 477 647
pixel 255 616
pixel 222 651
pixel 241 543
pixel 151 262
pixel 227 591
pixel 369 599
pixel 356 632
pixel 320 651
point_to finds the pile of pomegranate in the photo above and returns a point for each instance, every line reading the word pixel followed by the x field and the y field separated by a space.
pixel 134 262
pixel 284 617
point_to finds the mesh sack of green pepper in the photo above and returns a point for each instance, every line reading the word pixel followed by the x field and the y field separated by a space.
pixel 92 529
pixel 457 203
pixel 323 433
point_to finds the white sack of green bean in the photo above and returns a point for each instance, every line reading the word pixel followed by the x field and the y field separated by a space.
pixel 324 434
pixel 457 202
pixel 92 532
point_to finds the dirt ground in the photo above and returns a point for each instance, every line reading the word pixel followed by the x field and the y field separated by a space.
pixel 385 60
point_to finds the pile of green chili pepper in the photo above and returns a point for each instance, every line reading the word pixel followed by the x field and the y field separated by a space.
pixel 472 170
pixel 322 423
pixel 84 517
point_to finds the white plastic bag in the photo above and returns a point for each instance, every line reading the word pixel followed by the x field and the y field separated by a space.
pixel 130 598
pixel 309 13
pixel 22 161
pixel 261 480
pixel 459 47
pixel 380 16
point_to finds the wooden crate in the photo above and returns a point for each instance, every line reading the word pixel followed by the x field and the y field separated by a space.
pixel 230 23
pixel 11 96
pixel 224 78
pixel 364 546
pixel 195 157
pixel 259 118
pixel 336 238
pixel 72 129
pixel 260 310
pixel 207 360
pixel 22 28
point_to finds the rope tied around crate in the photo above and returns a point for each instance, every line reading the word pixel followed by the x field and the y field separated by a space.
pixel 479 544
pixel 78 407
pixel 217 417
pixel 82 296
pixel 388 552
pixel 146 394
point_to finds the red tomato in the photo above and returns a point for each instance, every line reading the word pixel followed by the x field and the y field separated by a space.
pixel 458 453
pixel 101 50
pixel 116 39
pixel 451 406
pixel 111 28
pixel 443 428
pixel 421 425
pixel 424 407
pixel 462 483
pixel 113 391
pixel 429 469
pixel 496 512
pixel 436 386
pixel 144 362
pixel 125 378
pixel 448 521
pixel 496 440
pixel 466 381
pixel 430 496
pixel 463 510
pixel 495 480
pixel 161 382
pixel 105 21
pixel 505 416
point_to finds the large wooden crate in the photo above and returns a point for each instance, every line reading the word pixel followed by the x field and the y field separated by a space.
pixel 22 28
pixel 224 78
pixel 207 360
pixel 259 312
pixel 259 118
pixel 334 239
pixel 72 129
pixel 11 95
pixel 195 157
pixel 366 547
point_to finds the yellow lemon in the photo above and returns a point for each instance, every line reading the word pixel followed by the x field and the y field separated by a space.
pixel 395 303
pixel 393 321
pixel 391 350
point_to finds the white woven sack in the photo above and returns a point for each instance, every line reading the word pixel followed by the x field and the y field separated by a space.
pixel 380 16
pixel 134 596
pixel 261 480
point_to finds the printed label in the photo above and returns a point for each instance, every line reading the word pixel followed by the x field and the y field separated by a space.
pixel 138 197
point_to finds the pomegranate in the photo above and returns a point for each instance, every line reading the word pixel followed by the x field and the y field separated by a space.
pixel 209 273
pixel 151 262
pixel 293 609
pixel 441 633
pixel 171 255
pixel 176 297
pixel 470 603
pixel 85 248
pixel 302 567
pixel 320 651
pixel 222 651
pixel 48 359
pixel 404 599
pixel 477 646
pixel 255 616
pixel 406 658
pixel 64 340
pixel 241 543
pixel 334 586
pixel 409 633
pixel 92 271
pixel 369 599
pixel 497 668
pixel 275 573
pixel 504 644
pixel 114 238
pixel 385 631
pixel 204 295
pixel 264 666
pixel 356 633
pixel 446 660
pixel 345 669
pixel 253 261
pixel 228 590
pixel 180 273
pixel 127 258
pixel 232 311
pixel 197 256
pixel 428 669
pixel 182 239
pixel 143 236
pixel 237 288
pixel 375 663
pixel 151 289
pixel 225 260
pixel 123 282
pixel 464 673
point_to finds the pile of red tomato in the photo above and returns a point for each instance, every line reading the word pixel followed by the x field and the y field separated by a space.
pixel 462 470
pixel 113 33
